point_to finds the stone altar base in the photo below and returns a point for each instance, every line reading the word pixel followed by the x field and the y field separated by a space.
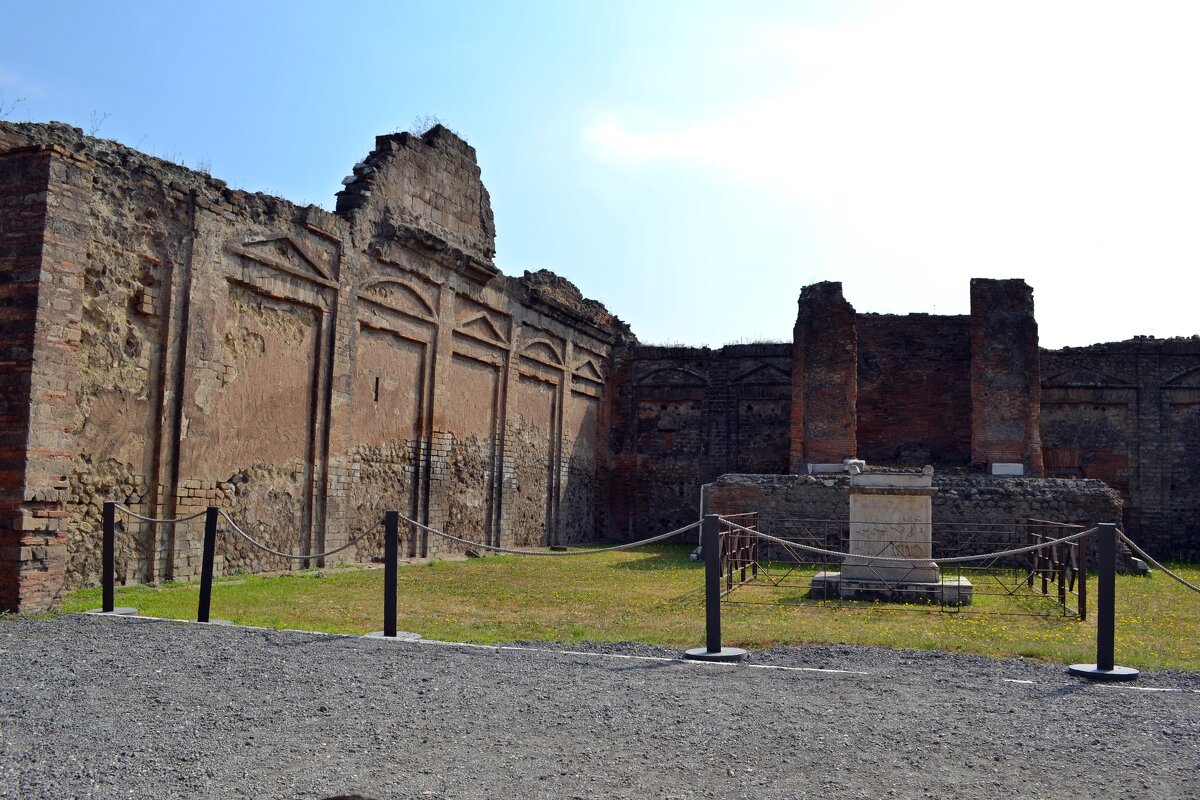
pixel 947 591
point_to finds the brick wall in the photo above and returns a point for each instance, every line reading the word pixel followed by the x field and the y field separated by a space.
pixel 1005 375
pixel 824 415
pixel 914 389
pixel 304 370
pixel 681 417
pixel 43 227
pixel 1128 413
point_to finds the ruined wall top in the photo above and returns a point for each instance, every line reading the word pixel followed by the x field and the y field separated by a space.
pixel 425 189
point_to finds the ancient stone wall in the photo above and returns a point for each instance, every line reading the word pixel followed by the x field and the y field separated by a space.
pixel 1128 413
pixel 914 389
pixel 681 417
pixel 787 505
pixel 304 370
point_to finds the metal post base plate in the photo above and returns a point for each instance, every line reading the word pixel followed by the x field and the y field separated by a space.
pixel 1092 672
pixel 119 612
pixel 725 654
pixel 401 636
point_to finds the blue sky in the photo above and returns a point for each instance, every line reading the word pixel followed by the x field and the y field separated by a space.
pixel 691 164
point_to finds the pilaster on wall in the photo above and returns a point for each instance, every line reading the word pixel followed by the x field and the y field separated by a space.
pixel 824 417
pixel 44 229
pixel 1005 375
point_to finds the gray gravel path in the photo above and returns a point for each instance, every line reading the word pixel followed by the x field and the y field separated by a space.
pixel 111 707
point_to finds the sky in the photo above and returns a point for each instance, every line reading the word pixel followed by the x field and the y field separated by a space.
pixel 693 165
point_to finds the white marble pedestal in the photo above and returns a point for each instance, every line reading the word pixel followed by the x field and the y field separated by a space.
pixel 891 514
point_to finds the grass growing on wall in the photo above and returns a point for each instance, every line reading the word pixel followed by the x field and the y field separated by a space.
pixel 655 595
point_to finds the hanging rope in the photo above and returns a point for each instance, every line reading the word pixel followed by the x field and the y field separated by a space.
pixel 511 551
pixel 1016 551
pixel 136 515
pixel 1154 563
pixel 250 539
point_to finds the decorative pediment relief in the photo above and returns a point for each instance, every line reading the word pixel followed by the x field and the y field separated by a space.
pixel 1185 379
pixel 482 327
pixel 399 296
pixel 1082 378
pixel 764 374
pixel 479 321
pixel 588 370
pixel 672 376
pixel 543 350
pixel 287 255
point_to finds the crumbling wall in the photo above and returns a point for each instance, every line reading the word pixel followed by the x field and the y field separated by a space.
pixel 1128 413
pixel 824 411
pixel 1005 376
pixel 682 416
pixel 305 371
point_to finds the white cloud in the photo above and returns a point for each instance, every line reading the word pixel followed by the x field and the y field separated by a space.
pixel 940 141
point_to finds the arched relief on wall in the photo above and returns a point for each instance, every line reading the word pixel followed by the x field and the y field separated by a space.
pixel 543 350
pixel 399 296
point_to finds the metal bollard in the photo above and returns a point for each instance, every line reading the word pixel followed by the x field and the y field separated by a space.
pixel 710 538
pixel 206 567
pixel 391 551
pixel 1106 590
pixel 108 564
pixel 109 556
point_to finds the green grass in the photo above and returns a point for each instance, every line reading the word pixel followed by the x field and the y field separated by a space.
pixel 655 595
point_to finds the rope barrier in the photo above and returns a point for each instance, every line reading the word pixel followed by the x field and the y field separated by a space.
pixel 136 515
pixel 1154 563
pixel 1016 551
pixel 290 556
pixel 512 551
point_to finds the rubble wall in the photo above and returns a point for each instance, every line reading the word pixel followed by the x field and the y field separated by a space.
pixel 787 505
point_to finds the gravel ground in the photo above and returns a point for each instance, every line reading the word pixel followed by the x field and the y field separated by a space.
pixel 126 707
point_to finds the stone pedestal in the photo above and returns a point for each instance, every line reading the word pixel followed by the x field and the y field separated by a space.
pixel 891 514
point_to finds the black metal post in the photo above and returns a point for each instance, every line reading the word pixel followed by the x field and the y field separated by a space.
pixel 206 567
pixel 1106 612
pixel 391 548
pixel 710 533
pixel 710 543
pixel 109 556
pixel 1106 590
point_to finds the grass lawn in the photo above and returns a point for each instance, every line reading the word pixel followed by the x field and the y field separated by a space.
pixel 655 595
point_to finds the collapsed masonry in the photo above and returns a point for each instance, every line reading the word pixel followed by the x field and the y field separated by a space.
pixel 171 343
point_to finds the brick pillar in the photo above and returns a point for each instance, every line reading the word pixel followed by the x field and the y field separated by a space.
pixel 824 420
pixel 1005 375
pixel 43 234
